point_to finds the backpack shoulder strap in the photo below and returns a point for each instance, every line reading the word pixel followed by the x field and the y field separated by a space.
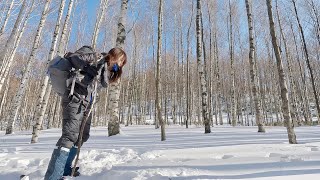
pixel 74 75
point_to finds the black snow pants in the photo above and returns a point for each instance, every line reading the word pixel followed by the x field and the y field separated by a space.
pixel 73 110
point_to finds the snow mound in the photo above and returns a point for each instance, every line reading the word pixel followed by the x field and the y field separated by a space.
pixel 97 161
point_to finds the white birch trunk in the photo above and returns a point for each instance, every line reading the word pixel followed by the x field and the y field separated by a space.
pixel 233 88
pixel 188 119
pixel 9 56
pixel 295 113
pixel 64 34
pixel 203 89
pixel 13 35
pixel 218 80
pixel 23 83
pixel 101 15
pixel 6 19
pixel 114 88
pixel 311 71
pixel 71 21
pixel 4 100
pixel 158 73
pixel 282 80
pixel 45 89
pixel 254 88
pixel 3 10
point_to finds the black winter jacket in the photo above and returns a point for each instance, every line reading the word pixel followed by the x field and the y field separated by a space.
pixel 80 59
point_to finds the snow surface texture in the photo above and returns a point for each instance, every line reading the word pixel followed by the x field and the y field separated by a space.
pixel 137 153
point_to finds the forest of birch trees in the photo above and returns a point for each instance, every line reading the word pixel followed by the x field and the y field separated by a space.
pixel 199 62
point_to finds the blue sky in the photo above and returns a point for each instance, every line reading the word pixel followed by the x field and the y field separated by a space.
pixel 147 9
pixel 92 6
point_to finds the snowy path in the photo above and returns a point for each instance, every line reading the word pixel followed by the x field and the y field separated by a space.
pixel 138 153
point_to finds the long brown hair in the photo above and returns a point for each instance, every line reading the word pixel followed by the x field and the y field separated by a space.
pixel 115 56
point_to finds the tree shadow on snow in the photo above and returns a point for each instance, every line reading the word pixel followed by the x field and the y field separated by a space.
pixel 266 168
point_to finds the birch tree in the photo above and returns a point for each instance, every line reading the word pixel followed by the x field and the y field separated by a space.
pixel 6 19
pixel 316 18
pixel 100 17
pixel 204 95
pixel 158 75
pixel 295 110
pixel 304 90
pixel 253 74
pixel 114 88
pixel 282 80
pixel 312 78
pixel 233 88
pixel 13 35
pixel 46 89
pixel 188 94
pixel 9 57
pixel 64 33
pixel 16 103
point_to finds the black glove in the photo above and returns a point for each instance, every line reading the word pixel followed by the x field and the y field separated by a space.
pixel 91 71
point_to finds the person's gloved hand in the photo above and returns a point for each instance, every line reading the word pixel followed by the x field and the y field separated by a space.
pixel 91 70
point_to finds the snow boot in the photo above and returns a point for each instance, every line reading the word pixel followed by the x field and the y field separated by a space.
pixel 68 166
pixel 24 177
pixel 57 163
pixel 76 173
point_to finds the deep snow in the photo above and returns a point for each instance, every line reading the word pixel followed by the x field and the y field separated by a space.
pixel 138 153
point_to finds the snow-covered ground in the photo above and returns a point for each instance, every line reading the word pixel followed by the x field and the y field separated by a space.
pixel 138 153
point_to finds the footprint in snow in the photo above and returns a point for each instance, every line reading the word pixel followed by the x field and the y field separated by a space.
pixel 313 148
pixel 288 158
pixel 270 155
pixel 227 156
pixel 285 157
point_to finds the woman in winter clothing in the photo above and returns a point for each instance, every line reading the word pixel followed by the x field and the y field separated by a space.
pixel 77 105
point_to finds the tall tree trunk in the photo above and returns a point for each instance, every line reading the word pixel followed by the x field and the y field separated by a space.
pixel 3 10
pixel 316 19
pixel 183 79
pixel 217 77
pixel 114 88
pixel 46 89
pixel 233 88
pixel 6 19
pixel 13 36
pixel 308 62
pixel 156 122
pixel 282 80
pixel 51 117
pixel 204 95
pixel 258 115
pixel 3 101
pixel 304 93
pixel 24 80
pixel 188 71
pixel 212 108
pixel 158 76
pixel 9 56
pixel 100 17
pixel 205 66
pixel 64 33
pixel 166 81
pixel 295 113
